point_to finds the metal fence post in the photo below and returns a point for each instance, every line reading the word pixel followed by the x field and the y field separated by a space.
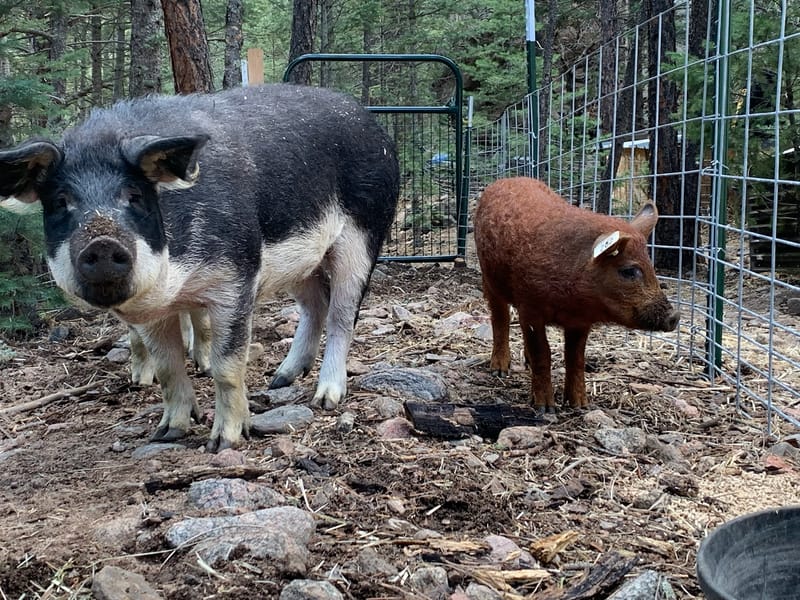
pixel 719 194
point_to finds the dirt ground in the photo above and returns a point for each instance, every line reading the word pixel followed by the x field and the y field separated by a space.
pixel 66 469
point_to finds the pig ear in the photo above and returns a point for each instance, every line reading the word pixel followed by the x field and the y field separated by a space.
pixel 645 220
pixel 610 244
pixel 169 162
pixel 22 168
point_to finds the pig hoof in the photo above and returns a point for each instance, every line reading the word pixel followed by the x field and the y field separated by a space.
pixel 324 402
pixel 279 381
pixel 218 445
pixel 545 411
pixel 167 434
pixel 500 372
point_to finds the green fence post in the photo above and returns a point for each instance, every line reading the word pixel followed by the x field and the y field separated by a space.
pixel 717 233
pixel 530 47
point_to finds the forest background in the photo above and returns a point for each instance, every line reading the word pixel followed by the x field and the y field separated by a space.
pixel 60 58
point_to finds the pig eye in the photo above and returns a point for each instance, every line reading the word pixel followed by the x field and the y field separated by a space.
pixel 631 273
pixel 135 198
pixel 61 201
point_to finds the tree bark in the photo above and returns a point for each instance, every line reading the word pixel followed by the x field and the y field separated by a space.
pixel 188 46
pixel 302 41
pixel 623 125
pixel 326 36
pixel 609 30
pixel 96 54
pixel 234 16
pixel 119 55
pixel 146 38
pixel 665 159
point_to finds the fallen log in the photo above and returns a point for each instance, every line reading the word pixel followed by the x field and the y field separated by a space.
pixel 598 583
pixel 453 421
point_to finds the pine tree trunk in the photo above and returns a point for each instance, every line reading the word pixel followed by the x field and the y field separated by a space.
pixel 302 41
pixel 96 54
pixel 146 38
pixel 234 16
pixel 119 56
pixel 188 46
pixel 609 30
pixel 665 158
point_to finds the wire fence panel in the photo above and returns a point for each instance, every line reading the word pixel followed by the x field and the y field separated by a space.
pixel 711 133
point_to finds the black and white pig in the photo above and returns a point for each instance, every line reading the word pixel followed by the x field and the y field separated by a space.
pixel 201 205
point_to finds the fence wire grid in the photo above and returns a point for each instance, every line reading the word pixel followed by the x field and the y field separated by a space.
pixel 698 112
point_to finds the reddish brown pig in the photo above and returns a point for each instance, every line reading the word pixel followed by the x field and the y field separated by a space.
pixel 558 264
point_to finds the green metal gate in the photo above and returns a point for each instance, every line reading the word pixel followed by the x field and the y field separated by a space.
pixel 418 98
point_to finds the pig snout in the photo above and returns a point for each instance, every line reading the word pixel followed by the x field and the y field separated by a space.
pixel 659 316
pixel 104 260
pixel 103 270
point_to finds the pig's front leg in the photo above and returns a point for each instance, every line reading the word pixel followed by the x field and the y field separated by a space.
pixel 165 347
pixel 230 340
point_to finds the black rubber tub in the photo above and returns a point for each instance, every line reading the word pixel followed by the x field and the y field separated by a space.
pixel 753 557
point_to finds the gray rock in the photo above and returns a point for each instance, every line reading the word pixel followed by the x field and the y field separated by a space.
pixel 113 583
pixel 431 582
pixel 117 533
pixel 409 382
pixel 793 306
pixel 233 495
pixel 118 355
pixel 228 457
pixel 483 332
pixel 396 428
pixel 283 419
pixel 401 313
pixel 388 407
pixel 646 586
pixel 785 450
pixel 476 591
pixel 598 418
pixel 150 450
pixel 280 534
pixel 522 436
pixel 630 440
pixel 278 397
pixel 309 589
pixel 459 320
pixel 504 551
pixel 369 562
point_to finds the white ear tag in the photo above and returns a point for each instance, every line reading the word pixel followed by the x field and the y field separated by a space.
pixel 605 244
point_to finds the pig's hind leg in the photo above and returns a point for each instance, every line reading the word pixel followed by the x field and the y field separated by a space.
pixel 196 333
pixel 165 346
pixel 143 368
pixel 537 351
pixel 500 314
pixel 575 359
pixel 349 262
pixel 312 298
